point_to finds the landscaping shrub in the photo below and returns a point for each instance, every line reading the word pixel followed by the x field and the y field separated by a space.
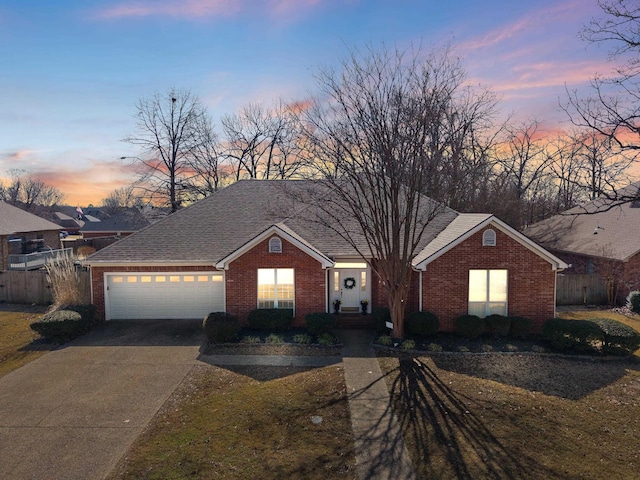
pixel 381 315
pixel 302 338
pixel 274 339
pixel 470 326
pixel 326 339
pixel 221 327
pixel 319 323
pixel 408 345
pixel 572 335
pixel 62 325
pixel 499 325
pixel 384 340
pixel 520 327
pixel 617 338
pixel 633 301
pixel 251 339
pixel 423 324
pixel 271 319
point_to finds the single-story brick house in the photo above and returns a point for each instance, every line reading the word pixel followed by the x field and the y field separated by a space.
pixel 251 246
pixel 599 237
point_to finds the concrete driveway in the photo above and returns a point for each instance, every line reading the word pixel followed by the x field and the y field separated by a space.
pixel 73 413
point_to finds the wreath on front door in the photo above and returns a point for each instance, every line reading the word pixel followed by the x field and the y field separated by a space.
pixel 349 283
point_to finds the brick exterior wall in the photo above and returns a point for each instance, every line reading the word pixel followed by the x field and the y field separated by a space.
pixel 309 277
pixel 531 280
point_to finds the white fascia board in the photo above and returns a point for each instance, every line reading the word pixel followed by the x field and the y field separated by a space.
pixel 555 262
pixel 206 263
pixel 274 229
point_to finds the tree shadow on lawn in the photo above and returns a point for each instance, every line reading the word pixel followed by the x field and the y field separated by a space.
pixel 452 441
pixel 570 378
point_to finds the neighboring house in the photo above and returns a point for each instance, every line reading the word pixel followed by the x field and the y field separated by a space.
pixel 26 240
pixel 118 224
pixel 597 237
pixel 251 246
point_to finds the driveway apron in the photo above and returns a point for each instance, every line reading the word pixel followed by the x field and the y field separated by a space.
pixel 73 413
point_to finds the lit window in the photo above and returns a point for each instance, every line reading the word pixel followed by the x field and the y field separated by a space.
pixel 188 278
pixel 161 279
pixel 363 281
pixel 489 238
pixel 132 279
pixel 336 281
pixel 203 278
pixel 117 279
pixel 487 292
pixel 145 279
pixel 275 245
pixel 275 288
pixel 174 278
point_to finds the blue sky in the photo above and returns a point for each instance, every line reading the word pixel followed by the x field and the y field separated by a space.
pixel 72 71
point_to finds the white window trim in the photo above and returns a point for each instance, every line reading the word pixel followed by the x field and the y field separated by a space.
pixel 487 301
pixel 275 292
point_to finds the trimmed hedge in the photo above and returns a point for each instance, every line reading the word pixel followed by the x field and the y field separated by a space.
pixel 633 301
pixel 470 326
pixel 381 315
pixel 520 327
pixel 423 324
pixel 221 327
pixel 499 325
pixel 617 338
pixel 576 335
pixel 63 325
pixel 320 322
pixel 272 319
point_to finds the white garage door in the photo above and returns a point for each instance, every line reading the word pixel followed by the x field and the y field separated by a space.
pixel 163 295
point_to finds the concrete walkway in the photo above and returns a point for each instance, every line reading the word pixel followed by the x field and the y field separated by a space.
pixel 380 450
pixel 73 413
pixel 379 443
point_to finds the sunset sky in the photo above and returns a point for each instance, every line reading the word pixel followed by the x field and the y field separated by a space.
pixel 72 70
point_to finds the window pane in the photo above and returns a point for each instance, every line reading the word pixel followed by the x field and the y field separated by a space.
pixel 285 275
pixel 145 279
pixel 188 278
pixel 478 309
pixel 266 276
pixel 497 285
pixel 336 281
pixel 161 279
pixel 132 279
pixel 477 285
pixel 363 281
pixel 265 304
pixel 498 308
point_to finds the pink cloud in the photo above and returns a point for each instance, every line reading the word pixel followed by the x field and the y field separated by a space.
pixel 174 8
pixel 196 9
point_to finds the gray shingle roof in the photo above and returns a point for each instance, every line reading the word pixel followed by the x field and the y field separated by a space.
pixel 210 230
pixel 618 229
pixel 14 220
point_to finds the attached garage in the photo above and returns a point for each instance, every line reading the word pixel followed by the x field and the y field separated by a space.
pixel 152 295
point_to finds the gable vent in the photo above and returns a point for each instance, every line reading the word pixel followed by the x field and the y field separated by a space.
pixel 489 238
pixel 275 245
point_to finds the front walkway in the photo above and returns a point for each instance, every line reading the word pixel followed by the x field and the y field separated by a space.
pixel 379 443
pixel 73 413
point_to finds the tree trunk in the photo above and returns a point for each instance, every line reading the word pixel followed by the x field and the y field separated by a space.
pixel 397 303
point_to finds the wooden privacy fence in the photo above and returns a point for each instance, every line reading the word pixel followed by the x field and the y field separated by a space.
pixel 33 287
pixel 581 289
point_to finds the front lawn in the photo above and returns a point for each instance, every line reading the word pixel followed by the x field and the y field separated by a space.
pixel 16 339
pixel 517 416
pixel 249 422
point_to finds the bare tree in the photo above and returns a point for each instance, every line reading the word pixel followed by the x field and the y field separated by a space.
pixel 168 132
pixel 26 191
pixel 121 198
pixel 376 134
pixel 613 109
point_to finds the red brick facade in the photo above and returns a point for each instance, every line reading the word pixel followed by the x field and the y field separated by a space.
pixel 309 276
pixel 531 280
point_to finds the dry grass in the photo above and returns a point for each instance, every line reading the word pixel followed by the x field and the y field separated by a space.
pixel 66 285
pixel 254 422
pixel 518 416
pixel 15 340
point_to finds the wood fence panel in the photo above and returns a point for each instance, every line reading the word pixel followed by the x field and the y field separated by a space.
pixel 33 287
pixel 581 289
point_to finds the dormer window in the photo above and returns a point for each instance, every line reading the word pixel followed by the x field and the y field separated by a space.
pixel 489 238
pixel 275 245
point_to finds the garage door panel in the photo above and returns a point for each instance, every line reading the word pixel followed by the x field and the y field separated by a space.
pixel 165 295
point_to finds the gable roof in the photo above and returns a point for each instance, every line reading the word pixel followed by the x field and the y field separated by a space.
pixel 467 224
pixel 129 220
pixel 220 228
pixel 594 229
pixel 15 220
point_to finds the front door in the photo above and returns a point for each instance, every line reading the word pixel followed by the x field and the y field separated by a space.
pixel 352 289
